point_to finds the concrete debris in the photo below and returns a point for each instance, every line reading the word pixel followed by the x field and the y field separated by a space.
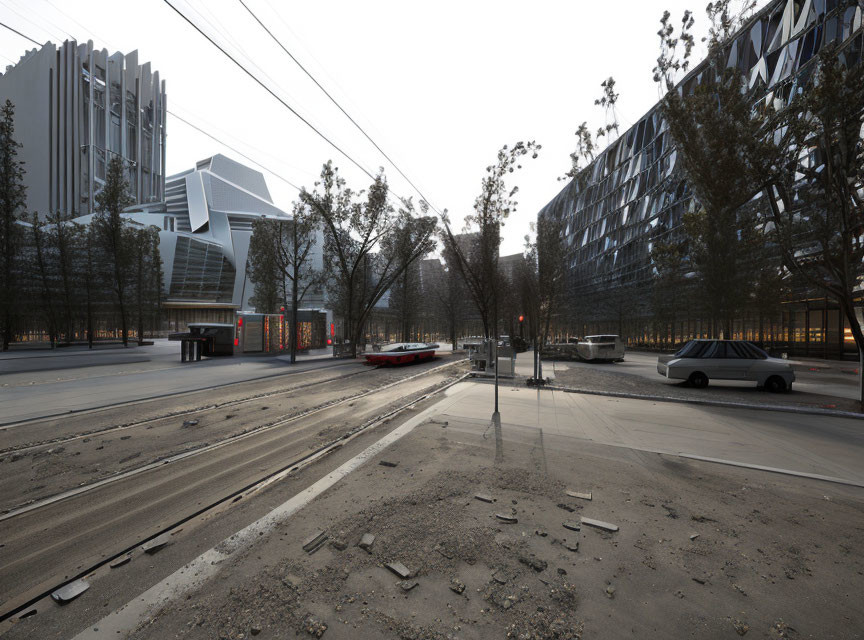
pixel 571 546
pixel 679 594
pixel 70 591
pixel 484 498
pixel 314 627
pixel 16 457
pixel 125 437
pixel 741 628
pixel 610 591
pixel 541 533
pixel 576 494
pixel 600 524
pixel 573 526
pixel 119 562
pixel 399 569
pixel 315 541
pixel 157 544
pixel 129 458
pixel 255 629
pixel 699 580
pixel 693 536
pixel 500 577
pixel 385 463
pixel 535 563
pixel 407 585
pixel 456 585
pixel 366 542
pixel 506 518
pixel 190 423
pixel 339 545
pixel 566 507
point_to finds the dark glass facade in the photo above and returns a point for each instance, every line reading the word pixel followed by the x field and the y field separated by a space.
pixel 630 197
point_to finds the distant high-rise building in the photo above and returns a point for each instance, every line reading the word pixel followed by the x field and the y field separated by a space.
pixel 76 107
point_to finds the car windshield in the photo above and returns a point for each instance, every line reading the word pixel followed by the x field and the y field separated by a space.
pixel 693 349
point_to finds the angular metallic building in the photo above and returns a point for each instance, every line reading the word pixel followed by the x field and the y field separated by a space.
pixel 75 108
pixel 629 197
pixel 205 225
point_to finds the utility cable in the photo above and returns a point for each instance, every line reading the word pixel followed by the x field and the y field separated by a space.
pixel 224 144
pixel 269 90
pixel 39 44
pixel 333 100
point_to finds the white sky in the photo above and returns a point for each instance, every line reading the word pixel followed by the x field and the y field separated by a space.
pixel 439 86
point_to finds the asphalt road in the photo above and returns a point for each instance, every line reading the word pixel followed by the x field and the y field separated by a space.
pixel 44 545
pixel 827 382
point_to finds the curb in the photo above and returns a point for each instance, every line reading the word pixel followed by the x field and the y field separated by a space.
pixel 815 411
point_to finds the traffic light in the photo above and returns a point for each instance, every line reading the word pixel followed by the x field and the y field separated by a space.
pixel 521 325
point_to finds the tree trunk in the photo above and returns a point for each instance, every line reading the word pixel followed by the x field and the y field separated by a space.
pixel 855 327
pixel 294 315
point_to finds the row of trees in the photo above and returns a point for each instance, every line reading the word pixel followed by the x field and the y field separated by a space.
pixel 65 279
pixel 373 248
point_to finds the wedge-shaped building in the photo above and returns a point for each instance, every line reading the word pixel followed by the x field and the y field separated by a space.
pixel 630 197
pixel 205 227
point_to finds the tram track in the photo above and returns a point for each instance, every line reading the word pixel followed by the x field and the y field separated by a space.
pixel 86 530
pixel 29 446
pixel 279 421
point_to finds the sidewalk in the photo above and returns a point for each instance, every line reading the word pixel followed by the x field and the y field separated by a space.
pixel 698 549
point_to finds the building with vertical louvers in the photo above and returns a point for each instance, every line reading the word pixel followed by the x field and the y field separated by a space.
pixel 631 197
pixel 75 108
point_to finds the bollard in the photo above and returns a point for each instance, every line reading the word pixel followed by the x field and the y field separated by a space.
pixel 182 351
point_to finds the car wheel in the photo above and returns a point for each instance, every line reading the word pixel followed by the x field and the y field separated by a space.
pixel 776 384
pixel 698 379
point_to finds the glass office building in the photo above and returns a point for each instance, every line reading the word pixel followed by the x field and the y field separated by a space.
pixel 630 197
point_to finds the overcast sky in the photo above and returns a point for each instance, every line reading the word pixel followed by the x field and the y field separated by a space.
pixel 439 86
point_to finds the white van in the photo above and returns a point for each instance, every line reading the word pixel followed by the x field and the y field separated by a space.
pixel 603 348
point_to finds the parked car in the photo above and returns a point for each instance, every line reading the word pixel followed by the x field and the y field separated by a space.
pixel 699 361
pixel 604 348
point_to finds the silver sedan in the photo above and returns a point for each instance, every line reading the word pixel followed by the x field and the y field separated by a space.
pixel 699 361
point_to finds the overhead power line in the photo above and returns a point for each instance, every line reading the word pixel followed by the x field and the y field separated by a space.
pixel 21 34
pixel 269 90
pixel 225 144
pixel 333 100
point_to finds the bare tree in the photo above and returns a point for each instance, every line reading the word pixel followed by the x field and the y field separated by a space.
pixel 279 252
pixel 478 261
pixel 368 244
pixel 815 187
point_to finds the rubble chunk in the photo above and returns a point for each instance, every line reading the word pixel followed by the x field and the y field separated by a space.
pixel 314 541
pixel 535 563
pixel 599 524
pixel 190 423
pixel 399 569
pixel 693 536
pixel 119 562
pixel 407 585
pixel 571 546
pixel 482 497
pixel 576 494
pixel 573 526
pixel 157 544
pixel 314 626
pixel 366 542
pixel 507 518
pixel 70 591
pixel 456 585
pixel 500 577
pixel 385 463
